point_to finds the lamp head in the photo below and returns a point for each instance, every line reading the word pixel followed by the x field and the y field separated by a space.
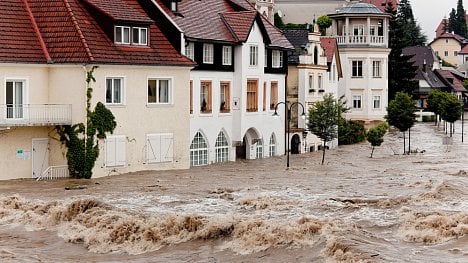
pixel 303 116
pixel 275 115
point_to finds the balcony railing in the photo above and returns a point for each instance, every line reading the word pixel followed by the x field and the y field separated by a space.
pixel 361 40
pixel 54 172
pixel 35 114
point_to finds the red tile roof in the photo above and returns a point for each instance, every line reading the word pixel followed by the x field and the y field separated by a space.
pixel 381 4
pixel 441 27
pixel 454 81
pixel 240 23
pixel 119 10
pixel 215 20
pixel 464 50
pixel 458 38
pixel 329 45
pixel 72 35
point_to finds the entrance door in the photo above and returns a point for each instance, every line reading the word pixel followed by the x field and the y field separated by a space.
pixel 14 99
pixel 40 156
pixel 295 144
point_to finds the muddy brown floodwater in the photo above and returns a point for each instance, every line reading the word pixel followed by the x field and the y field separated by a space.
pixel 391 208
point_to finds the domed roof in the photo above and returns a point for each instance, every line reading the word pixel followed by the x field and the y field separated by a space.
pixel 360 8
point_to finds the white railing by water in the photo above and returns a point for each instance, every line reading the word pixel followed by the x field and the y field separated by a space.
pixel 54 172
pixel 35 114
pixel 360 40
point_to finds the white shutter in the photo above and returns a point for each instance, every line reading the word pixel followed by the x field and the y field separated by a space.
pixel 153 148
pixel 110 151
pixel 120 150
pixel 167 151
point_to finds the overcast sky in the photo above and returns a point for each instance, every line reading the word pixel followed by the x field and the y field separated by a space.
pixel 429 13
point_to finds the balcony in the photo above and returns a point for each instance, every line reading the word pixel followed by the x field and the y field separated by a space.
pixel 369 40
pixel 35 114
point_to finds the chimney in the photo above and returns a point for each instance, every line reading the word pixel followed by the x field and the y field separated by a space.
pixel 424 66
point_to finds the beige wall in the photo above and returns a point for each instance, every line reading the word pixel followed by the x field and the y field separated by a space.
pixel 449 45
pixel 66 85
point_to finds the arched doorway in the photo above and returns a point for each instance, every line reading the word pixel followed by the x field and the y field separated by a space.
pixel 248 148
pixel 295 144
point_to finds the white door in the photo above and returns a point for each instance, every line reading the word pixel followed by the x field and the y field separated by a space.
pixel 40 156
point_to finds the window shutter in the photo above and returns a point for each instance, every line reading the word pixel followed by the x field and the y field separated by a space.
pixel 167 147
pixel 120 150
pixel 110 151
pixel 153 148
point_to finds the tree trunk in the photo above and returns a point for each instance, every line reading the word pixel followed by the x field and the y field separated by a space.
pixel 372 153
pixel 404 144
pixel 451 126
pixel 323 155
pixel 409 141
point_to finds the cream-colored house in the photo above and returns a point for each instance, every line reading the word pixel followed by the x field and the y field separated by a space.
pixel 447 47
pixel 140 77
pixel 361 31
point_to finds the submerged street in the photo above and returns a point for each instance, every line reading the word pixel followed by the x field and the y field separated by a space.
pixel 391 208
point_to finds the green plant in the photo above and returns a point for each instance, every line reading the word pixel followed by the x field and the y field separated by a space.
pixel 83 148
pixel 375 135
pixel 400 114
pixel 323 23
pixel 350 132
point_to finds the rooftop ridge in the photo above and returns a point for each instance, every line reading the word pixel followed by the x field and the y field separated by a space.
pixel 38 33
pixel 78 29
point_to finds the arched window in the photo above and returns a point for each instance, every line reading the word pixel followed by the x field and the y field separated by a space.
pixel 259 152
pixel 315 55
pixel 198 151
pixel 272 145
pixel 222 148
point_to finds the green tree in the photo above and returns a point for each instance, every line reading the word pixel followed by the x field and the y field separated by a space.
pixel 400 114
pixel 350 132
pixel 452 22
pixel 434 102
pixel 401 70
pixel 83 148
pixel 412 33
pixel 323 120
pixel 323 23
pixel 278 21
pixel 451 109
pixel 460 26
pixel 375 135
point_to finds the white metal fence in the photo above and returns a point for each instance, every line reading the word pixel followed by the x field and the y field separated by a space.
pixel 35 114
pixel 54 172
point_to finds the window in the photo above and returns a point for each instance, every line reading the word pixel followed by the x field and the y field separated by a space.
pixel 334 73
pixel 159 91
pixel 253 56
pixel 198 151
pixel 205 96
pixel 356 102
pixel 373 30
pixel 358 30
pixel 159 147
pixel 357 69
pixel 272 145
pixel 208 53
pixel 227 55
pixel 222 148
pixel 174 5
pixel 266 58
pixel 320 84
pixel 139 36
pixel 259 151
pixel 15 97
pixel 273 95
pixel 437 53
pixel 224 96
pixel 115 150
pixel 122 35
pixel 131 35
pixel 376 102
pixel 114 90
pixel 311 84
pixel 455 53
pixel 264 95
pixel 277 59
pixel 190 50
pixel 446 53
pixel 376 69
pixel 252 95
pixel 191 96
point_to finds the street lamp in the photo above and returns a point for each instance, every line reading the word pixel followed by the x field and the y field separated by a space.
pixel 303 116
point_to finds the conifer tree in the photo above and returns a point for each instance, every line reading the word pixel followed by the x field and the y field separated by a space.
pixel 452 22
pixel 461 28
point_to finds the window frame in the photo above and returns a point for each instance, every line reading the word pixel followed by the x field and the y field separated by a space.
pixel 273 94
pixel 252 94
pixel 140 30
pixel 122 90
pixel 200 152
pixel 130 41
pixel 16 110
pixel 277 59
pixel 208 98
pixel 227 56
pixel 376 100
pixel 190 50
pixel 222 148
pixel 357 70
pixel 158 96
pixel 357 102
pixel 272 145
pixel 208 53
pixel 225 91
pixel 377 68
pixel 253 55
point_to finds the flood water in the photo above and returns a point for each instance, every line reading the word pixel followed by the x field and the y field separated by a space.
pixel 390 208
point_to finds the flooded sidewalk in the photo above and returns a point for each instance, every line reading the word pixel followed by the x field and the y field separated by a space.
pixel 390 208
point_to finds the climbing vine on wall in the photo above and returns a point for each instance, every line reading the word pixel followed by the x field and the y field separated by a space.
pixel 80 139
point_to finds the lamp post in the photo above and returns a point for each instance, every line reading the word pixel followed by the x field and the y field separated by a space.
pixel 287 110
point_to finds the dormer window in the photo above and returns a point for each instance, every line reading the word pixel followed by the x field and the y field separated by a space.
pixel 126 35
